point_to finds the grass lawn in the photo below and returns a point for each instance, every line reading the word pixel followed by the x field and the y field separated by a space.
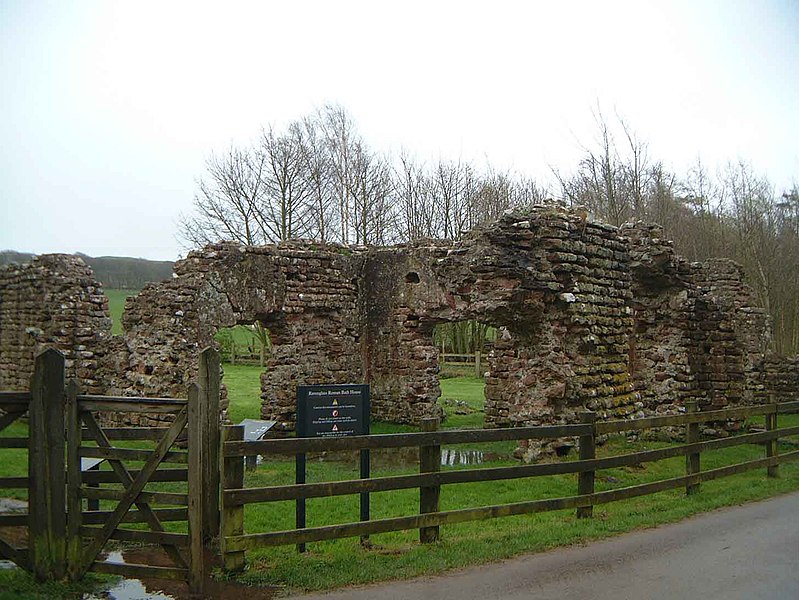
pixel 18 585
pixel 243 383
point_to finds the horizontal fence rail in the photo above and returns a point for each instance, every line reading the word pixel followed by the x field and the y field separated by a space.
pixel 401 440
pixel 235 495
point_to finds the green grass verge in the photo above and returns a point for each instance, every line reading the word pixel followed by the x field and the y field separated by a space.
pixel 243 383
pixel 398 555
pixel 16 584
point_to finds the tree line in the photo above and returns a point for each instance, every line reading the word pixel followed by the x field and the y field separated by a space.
pixel 114 272
pixel 317 178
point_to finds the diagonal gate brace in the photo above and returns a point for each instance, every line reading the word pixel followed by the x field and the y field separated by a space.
pixel 132 491
pixel 127 480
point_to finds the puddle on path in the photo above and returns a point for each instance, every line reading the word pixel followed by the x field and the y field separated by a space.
pixel 163 589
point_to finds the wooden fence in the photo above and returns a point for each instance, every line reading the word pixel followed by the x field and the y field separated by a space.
pixel 235 541
pixel 476 361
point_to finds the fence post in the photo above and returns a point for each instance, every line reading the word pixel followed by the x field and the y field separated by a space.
pixel 772 446
pixel 478 370
pixel 692 462
pixel 46 468
pixel 585 481
pixel 196 429
pixel 429 462
pixel 74 502
pixel 208 378
pixel 232 516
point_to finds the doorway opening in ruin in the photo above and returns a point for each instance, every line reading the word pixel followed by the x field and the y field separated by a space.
pixel 463 352
pixel 244 350
pixel 248 344
pixel 117 298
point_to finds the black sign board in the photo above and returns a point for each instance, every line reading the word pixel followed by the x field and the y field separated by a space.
pixel 332 410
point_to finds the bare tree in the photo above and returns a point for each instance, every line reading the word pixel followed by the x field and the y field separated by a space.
pixel 318 178
pixel 369 191
pixel 415 201
pixel 229 200
pixel 285 208
pixel 341 139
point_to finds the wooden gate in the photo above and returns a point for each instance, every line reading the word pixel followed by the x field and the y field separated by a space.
pixel 13 405
pixel 128 475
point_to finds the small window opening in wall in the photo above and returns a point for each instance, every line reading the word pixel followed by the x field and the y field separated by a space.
pixel 412 277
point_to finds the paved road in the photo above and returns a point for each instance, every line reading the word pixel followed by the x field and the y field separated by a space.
pixel 744 553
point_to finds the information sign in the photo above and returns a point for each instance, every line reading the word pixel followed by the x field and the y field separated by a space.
pixel 332 410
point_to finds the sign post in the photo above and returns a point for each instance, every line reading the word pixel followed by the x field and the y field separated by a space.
pixel 332 411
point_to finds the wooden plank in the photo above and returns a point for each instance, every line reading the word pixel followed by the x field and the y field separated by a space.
pixel 74 543
pixel 14 520
pixel 19 556
pixel 127 479
pixel 315 534
pixel 196 575
pixel 10 416
pixel 129 405
pixel 136 571
pixel 241 496
pixel 135 488
pixel 585 480
pixel 14 483
pixel 13 442
pixel 147 537
pixel 136 516
pixel 134 433
pixel 14 398
pixel 682 419
pixel 399 440
pixel 772 446
pixel 208 378
pixel 178 402
pixel 46 468
pixel 145 497
pixel 131 454
pixel 786 408
pixel 429 496
pixel 692 460
pixel 95 477
pixel 232 515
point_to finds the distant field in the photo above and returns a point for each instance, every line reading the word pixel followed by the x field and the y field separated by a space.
pixel 116 306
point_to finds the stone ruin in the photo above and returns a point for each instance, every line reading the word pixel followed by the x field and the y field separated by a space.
pixel 590 316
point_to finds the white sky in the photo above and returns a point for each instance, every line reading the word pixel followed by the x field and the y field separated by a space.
pixel 108 110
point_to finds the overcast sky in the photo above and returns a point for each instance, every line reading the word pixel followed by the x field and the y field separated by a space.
pixel 108 110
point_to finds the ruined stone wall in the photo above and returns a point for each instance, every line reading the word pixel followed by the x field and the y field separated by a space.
pixel 662 293
pixel 699 333
pixel 53 301
pixel 731 336
pixel 557 287
pixel 781 378
pixel 589 317
pixel 305 295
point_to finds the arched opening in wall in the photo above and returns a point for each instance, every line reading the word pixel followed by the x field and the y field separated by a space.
pixel 244 351
pixel 463 349
pixel 116 306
